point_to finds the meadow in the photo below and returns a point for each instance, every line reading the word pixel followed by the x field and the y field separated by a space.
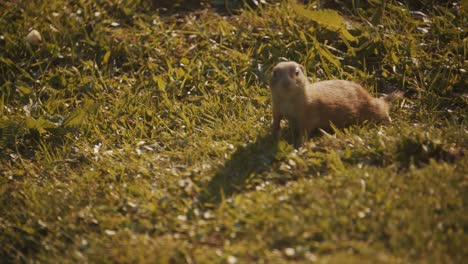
pixel 140 134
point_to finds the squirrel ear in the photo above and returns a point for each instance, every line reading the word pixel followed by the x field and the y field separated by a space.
pixel 302 69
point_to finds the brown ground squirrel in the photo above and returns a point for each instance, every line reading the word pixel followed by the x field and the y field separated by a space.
pixel 312 106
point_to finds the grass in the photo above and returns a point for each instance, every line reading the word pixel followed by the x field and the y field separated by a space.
pixel 130 135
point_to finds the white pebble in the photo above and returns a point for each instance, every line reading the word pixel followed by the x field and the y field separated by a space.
pixel 232 260
pixel 109 232
pixel 34 37
pixel 290 252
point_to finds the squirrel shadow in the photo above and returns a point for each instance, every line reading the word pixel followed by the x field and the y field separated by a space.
pixel 240 169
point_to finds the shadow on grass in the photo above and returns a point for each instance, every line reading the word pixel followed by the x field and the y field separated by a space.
pixel 238 172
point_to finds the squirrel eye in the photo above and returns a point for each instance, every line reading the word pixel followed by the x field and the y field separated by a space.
pixel 297 71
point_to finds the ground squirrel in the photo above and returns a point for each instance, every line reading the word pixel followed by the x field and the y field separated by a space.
pixel 310 106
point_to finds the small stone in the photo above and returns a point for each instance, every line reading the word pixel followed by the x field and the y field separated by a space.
pixel 310 256
pixel 42 223
pixel 109 232
pixel 208 215
pixel 34 38
pixel 231 260
pixel 97 147
pixel 361 214
pixel 290 252
pixel 182 218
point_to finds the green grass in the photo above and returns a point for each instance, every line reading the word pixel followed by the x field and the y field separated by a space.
pixel 129 136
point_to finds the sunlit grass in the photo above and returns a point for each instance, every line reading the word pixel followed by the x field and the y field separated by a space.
pixel 127 136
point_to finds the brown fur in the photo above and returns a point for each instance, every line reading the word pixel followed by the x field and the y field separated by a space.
pixel 313 106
